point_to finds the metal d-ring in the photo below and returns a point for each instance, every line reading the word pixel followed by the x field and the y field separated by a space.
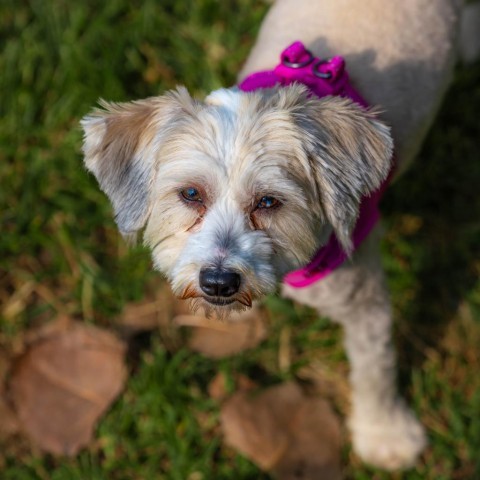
pixel 318 73
pixel 299 64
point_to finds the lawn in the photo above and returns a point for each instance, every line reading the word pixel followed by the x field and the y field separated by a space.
pixel 60 253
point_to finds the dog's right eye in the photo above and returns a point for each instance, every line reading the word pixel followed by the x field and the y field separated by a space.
pixel 191 194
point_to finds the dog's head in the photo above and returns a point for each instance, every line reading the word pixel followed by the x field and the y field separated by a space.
pixel 233 192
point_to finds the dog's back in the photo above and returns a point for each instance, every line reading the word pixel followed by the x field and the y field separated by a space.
pixel 399 54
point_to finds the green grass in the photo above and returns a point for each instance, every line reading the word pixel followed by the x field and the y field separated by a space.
pixel 60 252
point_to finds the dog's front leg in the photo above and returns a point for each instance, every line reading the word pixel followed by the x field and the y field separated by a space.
pixel 385 432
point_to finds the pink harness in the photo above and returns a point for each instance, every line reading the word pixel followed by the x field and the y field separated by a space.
pixel 323 78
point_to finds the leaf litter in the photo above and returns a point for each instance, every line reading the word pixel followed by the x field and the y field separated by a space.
pixel 63 382
pixel 283 430
pixel 69 374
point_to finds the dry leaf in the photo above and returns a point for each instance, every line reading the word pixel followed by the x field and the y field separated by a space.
pixel 64 382
pixel 281 429
pixel 217 339
pixel 314 451
pixel 250 427
pixel 154 311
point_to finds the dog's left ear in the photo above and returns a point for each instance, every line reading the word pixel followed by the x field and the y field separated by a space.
pixel 121 147
pixel 350 154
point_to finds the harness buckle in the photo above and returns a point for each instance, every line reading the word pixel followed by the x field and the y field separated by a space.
pixel 306 62
pixel 318 73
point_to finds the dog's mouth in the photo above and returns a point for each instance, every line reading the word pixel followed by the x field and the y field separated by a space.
pixel 219 301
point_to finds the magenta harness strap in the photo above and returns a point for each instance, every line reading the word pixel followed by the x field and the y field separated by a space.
pixel 323 78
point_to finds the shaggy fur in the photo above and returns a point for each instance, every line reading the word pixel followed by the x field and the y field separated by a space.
pixel 315 158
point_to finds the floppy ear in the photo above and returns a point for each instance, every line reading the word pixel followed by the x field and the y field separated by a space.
pixel 121 144
pixel 350 153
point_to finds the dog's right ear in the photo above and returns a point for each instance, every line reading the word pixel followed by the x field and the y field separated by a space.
pixel 121 144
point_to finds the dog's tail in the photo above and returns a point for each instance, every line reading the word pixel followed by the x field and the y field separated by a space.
pixel 469 41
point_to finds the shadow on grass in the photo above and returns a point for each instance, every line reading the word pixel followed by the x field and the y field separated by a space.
pixel 441 193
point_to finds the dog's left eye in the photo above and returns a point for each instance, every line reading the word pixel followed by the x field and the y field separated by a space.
pixel 268 202
pixel 191 194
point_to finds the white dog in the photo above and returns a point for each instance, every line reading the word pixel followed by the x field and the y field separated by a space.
pixel 235 191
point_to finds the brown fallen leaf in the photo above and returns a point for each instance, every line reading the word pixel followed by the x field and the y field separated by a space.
pixel 250 427
pixel 219 339
pixel 283 430
pixel 155 310
pixel 314 452
pixel 64 382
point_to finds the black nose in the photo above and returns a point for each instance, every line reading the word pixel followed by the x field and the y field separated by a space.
pixel 219 283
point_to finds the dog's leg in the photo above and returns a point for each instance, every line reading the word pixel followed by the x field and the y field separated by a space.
pixel 385 432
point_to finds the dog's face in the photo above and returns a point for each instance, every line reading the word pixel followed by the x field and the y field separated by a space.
pixel 235 191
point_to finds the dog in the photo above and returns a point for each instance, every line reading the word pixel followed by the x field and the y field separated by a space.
pixel 235 191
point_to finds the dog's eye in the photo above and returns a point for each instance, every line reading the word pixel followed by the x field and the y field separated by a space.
pixel 191 194
pixel 268 202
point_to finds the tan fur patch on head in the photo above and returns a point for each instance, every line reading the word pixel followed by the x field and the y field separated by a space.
pixel 121 144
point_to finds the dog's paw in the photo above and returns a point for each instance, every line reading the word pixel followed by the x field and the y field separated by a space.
pixel 391 442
